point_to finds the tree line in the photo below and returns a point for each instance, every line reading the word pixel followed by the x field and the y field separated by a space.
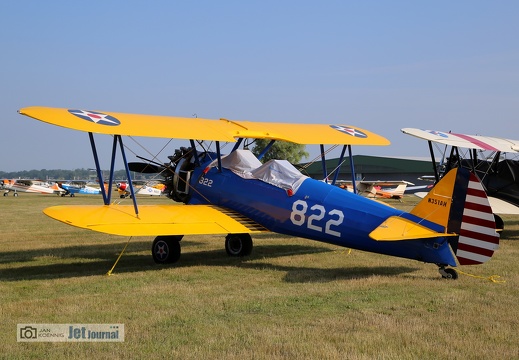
pixel 77 174
pixel 280 150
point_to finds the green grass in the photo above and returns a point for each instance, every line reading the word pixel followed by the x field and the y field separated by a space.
pixel 292 299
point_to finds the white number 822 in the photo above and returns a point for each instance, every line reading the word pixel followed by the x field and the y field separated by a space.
pixel 298 217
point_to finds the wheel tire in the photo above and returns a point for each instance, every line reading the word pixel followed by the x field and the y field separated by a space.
pixel 451 274
pixel 500 224
pixel 5 194
pixel 15 194
pixel 238 245
pixel 166 249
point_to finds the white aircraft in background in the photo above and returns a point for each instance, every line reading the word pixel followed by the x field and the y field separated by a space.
pixel 377 188
pixel 124 190
pixel 31 186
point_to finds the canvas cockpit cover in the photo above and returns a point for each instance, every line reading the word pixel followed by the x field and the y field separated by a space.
pixel 279 173
pixel 241 162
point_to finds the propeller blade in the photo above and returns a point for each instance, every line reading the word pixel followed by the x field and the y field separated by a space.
pixel 144 168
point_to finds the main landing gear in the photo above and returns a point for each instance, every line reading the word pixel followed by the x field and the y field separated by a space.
pixel 448 273
pixel 166 249
pixel 238 245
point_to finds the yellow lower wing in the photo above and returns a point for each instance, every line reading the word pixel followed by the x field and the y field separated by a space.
pixel 155 220
pixel 396 228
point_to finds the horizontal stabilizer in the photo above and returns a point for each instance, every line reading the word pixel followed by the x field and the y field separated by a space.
pixel 155 220
pixel 397 228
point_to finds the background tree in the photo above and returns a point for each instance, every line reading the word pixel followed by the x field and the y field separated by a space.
pixel 281 150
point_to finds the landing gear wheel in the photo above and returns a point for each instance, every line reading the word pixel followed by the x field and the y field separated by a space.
pixel 448 273
pixel 166 249
pixel 238 245
pixel 500 224
pixel 15 194
pixel 5 194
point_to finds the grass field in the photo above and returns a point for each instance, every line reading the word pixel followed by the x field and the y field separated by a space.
pixel 292 299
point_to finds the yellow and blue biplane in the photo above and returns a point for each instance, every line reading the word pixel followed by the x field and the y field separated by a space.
pixel 237 195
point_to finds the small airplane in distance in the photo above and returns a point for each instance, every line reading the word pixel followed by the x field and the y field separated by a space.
pixel 77 187
pixel 237 195
pixel 493 160
pixel 377 189
pixel 30 186
pixel 144 189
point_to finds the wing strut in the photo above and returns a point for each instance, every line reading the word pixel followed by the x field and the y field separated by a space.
pixel 195 153
pixel 219 156
pixel 435 168
pixel 260 156
pixel 106 199
pixel 132 191
pixel 323 162
pixel 107 192
pixel 353 177
pixel 341 159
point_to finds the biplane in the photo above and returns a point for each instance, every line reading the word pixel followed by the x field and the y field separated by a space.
pixel 495 161
pixel 237 195
pixel 30 186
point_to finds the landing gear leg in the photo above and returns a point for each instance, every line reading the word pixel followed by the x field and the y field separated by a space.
pixel 166 249
pixel 448 273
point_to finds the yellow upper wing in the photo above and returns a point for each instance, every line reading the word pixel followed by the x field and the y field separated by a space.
pixel 201 129
pixel 154 220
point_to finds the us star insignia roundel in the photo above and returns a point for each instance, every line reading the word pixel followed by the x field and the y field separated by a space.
pixel 438 133
pixel 96 117
pixel 349 131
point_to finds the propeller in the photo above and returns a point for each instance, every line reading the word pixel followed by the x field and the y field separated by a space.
pixel 145 168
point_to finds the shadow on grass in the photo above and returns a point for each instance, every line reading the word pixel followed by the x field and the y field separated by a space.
pixel 81 261
pixel 511 230
pixel 320 275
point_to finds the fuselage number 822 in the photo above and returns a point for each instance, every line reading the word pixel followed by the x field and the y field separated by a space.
pixel 313 221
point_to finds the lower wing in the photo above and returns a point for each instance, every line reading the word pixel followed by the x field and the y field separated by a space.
pixel 155 220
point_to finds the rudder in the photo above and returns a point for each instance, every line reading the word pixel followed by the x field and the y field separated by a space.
pixel 459 203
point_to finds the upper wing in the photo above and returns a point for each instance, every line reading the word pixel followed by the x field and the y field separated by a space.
pixel 154 219
pixel 201 129
pixel 465 141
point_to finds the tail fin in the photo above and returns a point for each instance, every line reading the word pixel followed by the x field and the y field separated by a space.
pixel 459 203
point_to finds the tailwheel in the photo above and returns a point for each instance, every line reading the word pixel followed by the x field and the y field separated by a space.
pixel 238 245
pixel 500 224
pixel 166 249
pixel 448 273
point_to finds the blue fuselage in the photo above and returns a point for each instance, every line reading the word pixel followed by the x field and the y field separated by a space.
pixel 316 211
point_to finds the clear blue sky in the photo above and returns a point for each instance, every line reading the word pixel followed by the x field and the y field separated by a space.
pixel 380 65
